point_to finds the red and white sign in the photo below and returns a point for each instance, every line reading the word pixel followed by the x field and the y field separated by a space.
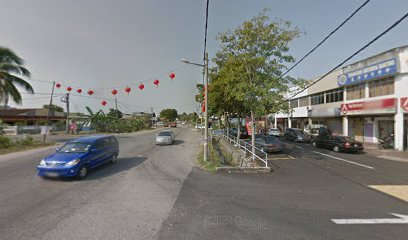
pixel 376 106
pixel 404 104
pixel 248 124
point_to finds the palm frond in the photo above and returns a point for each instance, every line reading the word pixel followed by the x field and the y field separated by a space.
pixel 20 82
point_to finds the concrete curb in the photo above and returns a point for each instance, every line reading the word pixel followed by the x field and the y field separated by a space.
pixel 244 170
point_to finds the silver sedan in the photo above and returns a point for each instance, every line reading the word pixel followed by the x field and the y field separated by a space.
pixel 165 137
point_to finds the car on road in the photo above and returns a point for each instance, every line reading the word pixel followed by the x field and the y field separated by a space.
pixel 165 137
pixel 338 143
pixel 275 132
pixel 296 135
pixel 77 157
pixel 173 124
pixel 269 144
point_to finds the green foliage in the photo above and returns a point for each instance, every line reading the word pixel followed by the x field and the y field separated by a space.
pixel 115 113
pixel 54 108
pixel 11 68
pixel 168 114
pixel 27 141
pixel 5 142
pixel 248 66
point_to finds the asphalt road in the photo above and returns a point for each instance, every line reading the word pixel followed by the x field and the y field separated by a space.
pixel 297 201
pixel 128 200
pixel 156 192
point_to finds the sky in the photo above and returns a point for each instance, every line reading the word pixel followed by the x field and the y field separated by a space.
pixel 107 44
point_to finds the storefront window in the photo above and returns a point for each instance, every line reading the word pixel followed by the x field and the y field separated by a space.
pixel 356 91
pixel 335 95
pixel 303 101
pixel 317 99
pixel 381 87
pixel 294 103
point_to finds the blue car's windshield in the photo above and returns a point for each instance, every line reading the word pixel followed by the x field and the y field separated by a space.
pixel 75 147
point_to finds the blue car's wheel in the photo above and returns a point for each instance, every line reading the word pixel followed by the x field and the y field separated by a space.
pixel 114 158
pixel 83 171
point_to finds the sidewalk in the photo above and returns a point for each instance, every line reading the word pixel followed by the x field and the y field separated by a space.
pixel 390 154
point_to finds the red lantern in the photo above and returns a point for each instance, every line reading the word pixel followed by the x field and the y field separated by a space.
pixel 90 92
pixel 114 92
pixel 156 82
pixel 58 85
pixel 127 90
pixel 79 90
pixel 103 103
pixel 141 86
pixel 69 89
pixel 172 75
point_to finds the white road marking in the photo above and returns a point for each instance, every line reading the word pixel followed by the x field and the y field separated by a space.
pixel 402 219
pixel 344 160
pixel 298 147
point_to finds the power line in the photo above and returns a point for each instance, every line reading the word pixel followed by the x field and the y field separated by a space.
pixel 347 59
pixel 327 37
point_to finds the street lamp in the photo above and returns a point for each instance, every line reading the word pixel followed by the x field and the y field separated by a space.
pixel 205 66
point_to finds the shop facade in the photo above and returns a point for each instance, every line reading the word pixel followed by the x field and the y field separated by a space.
pixel 366 100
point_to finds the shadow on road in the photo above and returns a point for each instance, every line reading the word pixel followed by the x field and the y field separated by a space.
pixel 106 170
pixel 178 142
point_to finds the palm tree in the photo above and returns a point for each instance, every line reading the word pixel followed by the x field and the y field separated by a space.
pixel 11 70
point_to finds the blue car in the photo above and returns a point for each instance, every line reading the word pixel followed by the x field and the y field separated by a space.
pixel 78 156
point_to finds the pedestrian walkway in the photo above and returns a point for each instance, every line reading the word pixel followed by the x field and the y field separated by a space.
pixel 390 154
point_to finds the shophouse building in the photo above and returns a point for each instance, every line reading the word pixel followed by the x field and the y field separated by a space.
pixel 367 100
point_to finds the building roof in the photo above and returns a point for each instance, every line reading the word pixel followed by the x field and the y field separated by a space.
pixel 30 114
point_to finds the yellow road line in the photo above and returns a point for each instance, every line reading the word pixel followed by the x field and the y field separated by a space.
pixel 398 191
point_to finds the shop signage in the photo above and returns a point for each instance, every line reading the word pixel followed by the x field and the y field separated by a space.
pixel 404 104
pixel 249 126
pixel 381 69
pixel 377 106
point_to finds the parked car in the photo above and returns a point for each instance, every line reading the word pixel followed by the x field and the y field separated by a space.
pixel 165 125
pixel 165 137
pixel 269 144
pixel 296 135
pixel 77 157
pixel 243 133
pixel 338 143
pixel 275 132
pixel 218 132
pixel 173 124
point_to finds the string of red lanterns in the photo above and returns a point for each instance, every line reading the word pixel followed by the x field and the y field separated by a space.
pixel 114 92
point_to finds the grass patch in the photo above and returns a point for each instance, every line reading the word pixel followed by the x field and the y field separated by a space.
pixel 21 148
pixel 7 145
pixel 213 162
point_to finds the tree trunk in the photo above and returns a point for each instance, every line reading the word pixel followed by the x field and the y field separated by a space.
pixel 253 134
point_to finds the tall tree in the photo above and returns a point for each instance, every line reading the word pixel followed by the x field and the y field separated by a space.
pixel 169 114
pixel 249 65
pixel 54 108
pixel 11 72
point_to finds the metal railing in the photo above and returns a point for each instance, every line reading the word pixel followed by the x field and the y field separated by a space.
pixel 247 147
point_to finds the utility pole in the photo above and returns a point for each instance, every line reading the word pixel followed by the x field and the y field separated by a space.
pixel 67 123
pixel 206 107
pixel 48 113
pixel 117 113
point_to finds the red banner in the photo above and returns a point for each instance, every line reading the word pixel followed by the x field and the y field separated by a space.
pixel 248 124
pixel 377 105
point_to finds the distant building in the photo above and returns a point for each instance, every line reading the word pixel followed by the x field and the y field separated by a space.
pixel 29 116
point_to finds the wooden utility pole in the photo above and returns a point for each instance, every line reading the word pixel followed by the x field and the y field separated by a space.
pixel 48 114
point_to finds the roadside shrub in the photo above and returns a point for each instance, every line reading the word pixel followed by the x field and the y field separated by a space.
pixel 5 142
pixel 28 140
